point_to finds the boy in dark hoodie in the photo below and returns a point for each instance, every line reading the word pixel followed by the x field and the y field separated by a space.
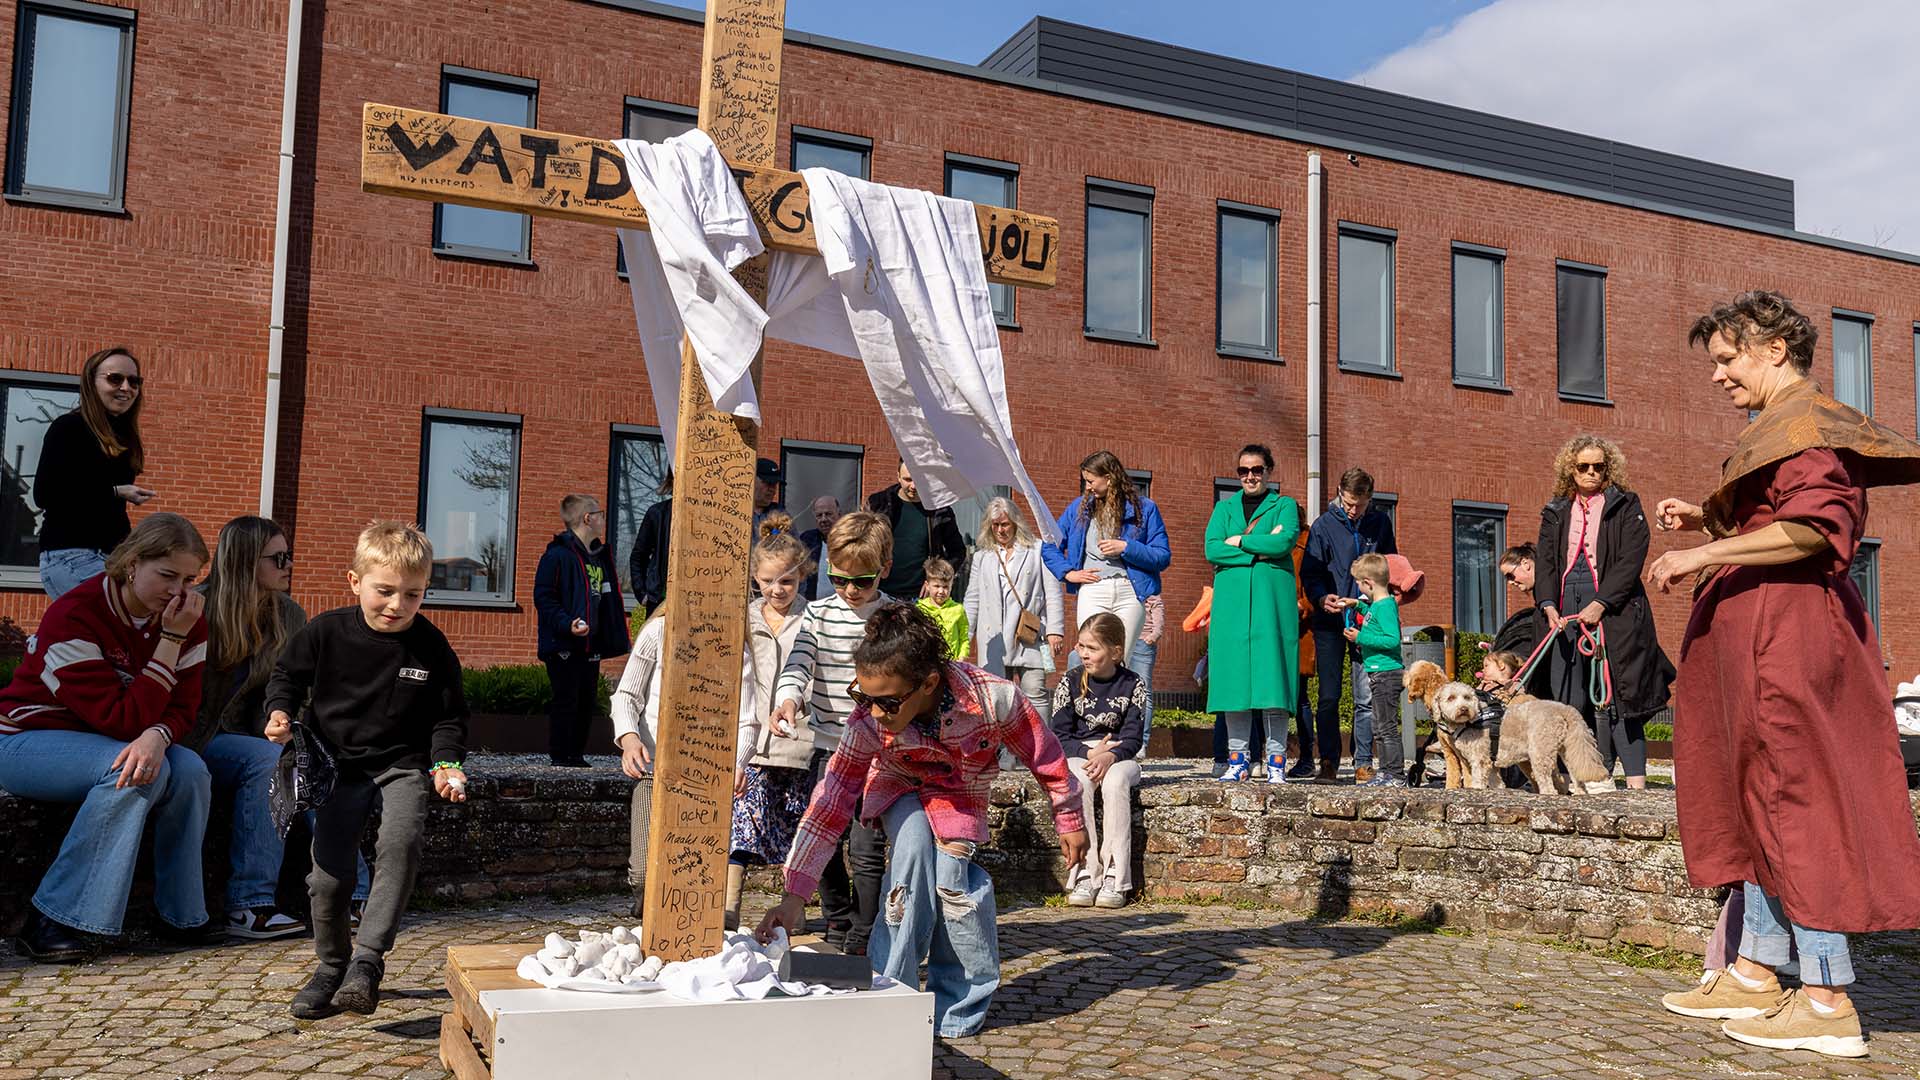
pixel 582 619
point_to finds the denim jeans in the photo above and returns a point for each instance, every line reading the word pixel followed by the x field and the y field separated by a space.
pixel 243 765
pixel 64 568
pixel 1303 725
pixel 1274 726
pixel 1334 661
pixel 1142 665
pixel 86 887
pixel 939 908
pixel 1767 938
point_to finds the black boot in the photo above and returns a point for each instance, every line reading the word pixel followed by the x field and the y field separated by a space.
pixel 315 1002
pixel 211 932
pixel 49 942
pixel 360 992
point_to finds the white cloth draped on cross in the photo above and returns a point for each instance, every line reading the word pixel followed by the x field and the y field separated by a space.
pixel 899 286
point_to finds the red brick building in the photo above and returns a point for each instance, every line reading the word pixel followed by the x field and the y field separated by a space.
pixel 476 384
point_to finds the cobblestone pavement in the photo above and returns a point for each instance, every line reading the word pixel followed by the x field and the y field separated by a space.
pixel 1157 991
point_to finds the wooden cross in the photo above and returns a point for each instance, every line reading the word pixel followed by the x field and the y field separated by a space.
pixel 440 158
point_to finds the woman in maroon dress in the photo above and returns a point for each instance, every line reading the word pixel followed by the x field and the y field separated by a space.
pixel 1787 764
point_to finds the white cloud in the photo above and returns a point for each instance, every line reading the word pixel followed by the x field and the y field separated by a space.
pixel 1822 93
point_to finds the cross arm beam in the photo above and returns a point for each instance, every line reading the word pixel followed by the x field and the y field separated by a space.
pixel 441 158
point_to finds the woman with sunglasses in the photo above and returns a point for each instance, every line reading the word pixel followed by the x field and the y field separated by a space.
pixel 250 619
pixel 919 755
pixel 1587 566
pixel 88 462
pixel 1253 639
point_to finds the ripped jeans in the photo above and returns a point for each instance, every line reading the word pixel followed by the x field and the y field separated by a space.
pixel 937 907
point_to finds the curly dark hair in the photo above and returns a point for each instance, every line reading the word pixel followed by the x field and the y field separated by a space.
pixel 901 641
pixel 1757 317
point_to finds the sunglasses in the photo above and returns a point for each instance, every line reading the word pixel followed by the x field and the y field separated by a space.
pixel 889 704
pixel 116 380
pixel 1590 466
pixel 1257 470
pixel 282 559
pixel 859 581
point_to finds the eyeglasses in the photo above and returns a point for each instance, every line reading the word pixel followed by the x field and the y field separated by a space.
pixel 281 559
pixel 1590 466
pixel 889 704
pixel 859 581
pixel 1257 470
pixel 116 380
pixel 596 514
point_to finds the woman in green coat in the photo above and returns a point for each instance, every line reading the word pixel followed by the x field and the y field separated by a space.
pixel 1253 642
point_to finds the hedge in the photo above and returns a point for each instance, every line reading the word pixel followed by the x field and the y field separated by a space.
pixel 515 689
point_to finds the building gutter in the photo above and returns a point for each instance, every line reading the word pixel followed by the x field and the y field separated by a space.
pixel 1316 331
pixel 282 223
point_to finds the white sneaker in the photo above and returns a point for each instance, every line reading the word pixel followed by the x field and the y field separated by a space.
pixel 1110 897
pixel 1082 895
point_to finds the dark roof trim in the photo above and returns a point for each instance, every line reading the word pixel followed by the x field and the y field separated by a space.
pixel 1311 140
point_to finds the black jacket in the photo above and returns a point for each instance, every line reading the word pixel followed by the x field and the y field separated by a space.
pixel 74 488
pixel 1520 635
pixel 1641 671
pixel 563 590
pixel 943 539
pixel 647 564
pixel 816 542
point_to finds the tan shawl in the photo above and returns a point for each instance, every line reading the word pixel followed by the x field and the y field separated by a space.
pixel 1804 418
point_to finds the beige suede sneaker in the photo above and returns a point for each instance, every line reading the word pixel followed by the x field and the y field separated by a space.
pixel 1795 1024
pixel 1720 996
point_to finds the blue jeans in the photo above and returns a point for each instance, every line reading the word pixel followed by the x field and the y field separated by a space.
pixel 936 907
pixel 1767 938
pixel 1142 665
pixel 86 887
pixel 1334 661
pixel 62 569
pixel 1273 724
pixel 243 765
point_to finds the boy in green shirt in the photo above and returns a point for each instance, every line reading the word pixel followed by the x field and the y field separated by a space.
pixel 936 599
pixel 1378 638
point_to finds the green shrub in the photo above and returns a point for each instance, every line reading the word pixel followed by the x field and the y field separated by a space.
pixel 1660 732
pixel 515 690
pixel 1191 718
pixel 7 664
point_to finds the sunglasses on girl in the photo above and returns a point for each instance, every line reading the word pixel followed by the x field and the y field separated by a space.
pixel 116 380
pixel 889 704
pixel 1257 470
pixel 859 581
pixel 281 559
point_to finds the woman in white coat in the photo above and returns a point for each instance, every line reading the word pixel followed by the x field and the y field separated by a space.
pixel 1007 577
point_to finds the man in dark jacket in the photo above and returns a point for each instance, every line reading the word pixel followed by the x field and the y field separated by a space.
pixel 1347 530
pixel 826 511
pixel 918 535
pixel 582 620
pixel 647 562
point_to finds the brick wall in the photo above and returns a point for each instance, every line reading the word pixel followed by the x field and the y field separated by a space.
pixel 380 327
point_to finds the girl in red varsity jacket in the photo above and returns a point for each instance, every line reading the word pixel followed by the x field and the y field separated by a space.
pixel 109 683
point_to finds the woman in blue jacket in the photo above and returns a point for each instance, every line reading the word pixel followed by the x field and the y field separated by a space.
pixel 1112 546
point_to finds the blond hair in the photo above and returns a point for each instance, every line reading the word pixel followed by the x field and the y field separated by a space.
pixel 1002 507
pixel 158 536
pixel 573 508
pixel 787 549
pixel 395 544
pixel 860 542
pixel 1616 463
pixel 1371 567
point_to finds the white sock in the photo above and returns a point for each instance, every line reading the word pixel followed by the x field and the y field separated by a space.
pixel 1751 984
pixel 1819 1008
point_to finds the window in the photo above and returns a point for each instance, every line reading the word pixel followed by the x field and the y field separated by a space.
pixel 468 230
pixel 849 155
pixel 1479 536
pixel 28 404
pixel 1246 269
pixel 1479 313
pixel 1866 576
pixel 637 468
pixel 1142 482
pixel 814 469
pixel 1119 261
pixel 1389 504
pixel 1366 298
pixel 995 183
pixel 650 121
pixel 1580 303
pixel 1853 359
pixel 72 89
pixel 469 476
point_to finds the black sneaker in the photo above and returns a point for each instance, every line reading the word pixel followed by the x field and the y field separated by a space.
pixel 49 942
pixel 360 991
pixel 1302 770
pixel 211 932
pixel 263 924
pixel 315 1001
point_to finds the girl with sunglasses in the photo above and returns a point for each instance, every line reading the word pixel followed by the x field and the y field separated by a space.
pixel 919 754
pixel 85 479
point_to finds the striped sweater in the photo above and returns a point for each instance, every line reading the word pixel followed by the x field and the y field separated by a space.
pixel 820 667
pixel 91 667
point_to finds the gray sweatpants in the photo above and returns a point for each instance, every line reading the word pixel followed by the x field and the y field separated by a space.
pixel 337 828
pixel 640 820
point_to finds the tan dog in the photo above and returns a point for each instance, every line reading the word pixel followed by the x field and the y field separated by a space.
pixel 1536 735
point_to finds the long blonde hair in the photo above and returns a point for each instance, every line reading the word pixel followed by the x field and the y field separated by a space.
pixel 1563 464
pixel 1002 507
pixel 243 619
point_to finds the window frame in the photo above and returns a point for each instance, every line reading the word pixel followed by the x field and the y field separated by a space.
pixel 430 415
pixel 1391 238
pixel 856 451
pixel 859 144
pixel 664 110
pixel 1223 209
pixel 1874 545
pixel 449 74
pixel 616 526
pixel 1865 321
pixel 1498 257
pixel 1126 198
pixel 21 576
pixel 14 184
pixel 1500 512
pixel 1560 362
pixel 1010 170
pixel 1389 503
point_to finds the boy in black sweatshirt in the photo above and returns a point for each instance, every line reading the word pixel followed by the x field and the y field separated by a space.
pixel 382 688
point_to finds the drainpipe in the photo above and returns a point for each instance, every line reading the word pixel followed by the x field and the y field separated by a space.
pixel 282 218
pixel 1316 331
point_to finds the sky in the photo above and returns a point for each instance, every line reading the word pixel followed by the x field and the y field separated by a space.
pixel 1822 93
